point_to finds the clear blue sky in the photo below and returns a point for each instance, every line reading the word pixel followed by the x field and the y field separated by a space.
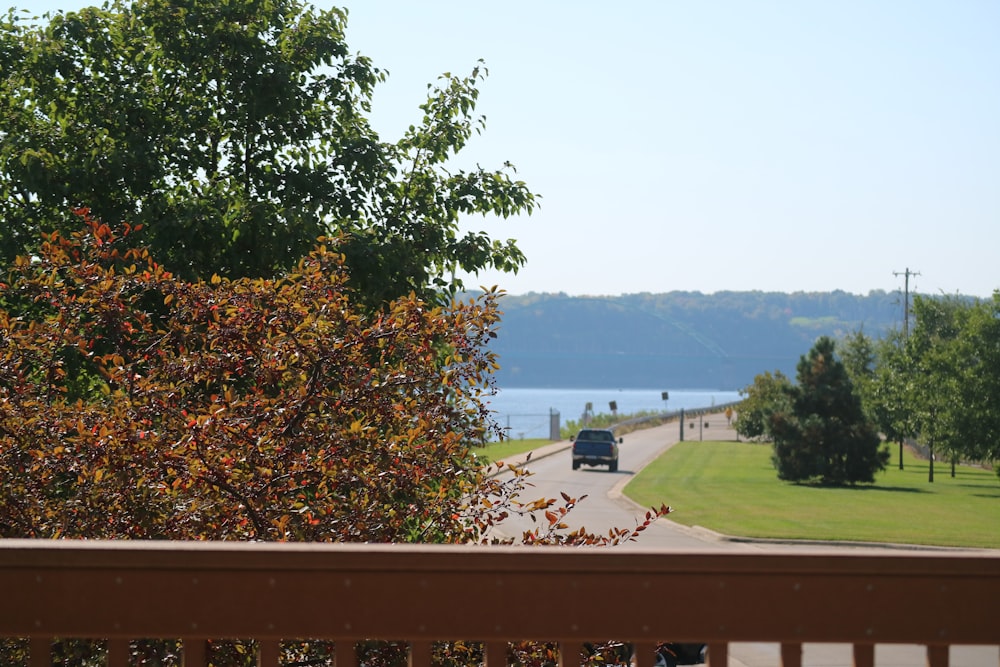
pixel 728 145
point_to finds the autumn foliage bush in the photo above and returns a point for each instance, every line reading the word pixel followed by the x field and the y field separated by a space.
pixel 135 405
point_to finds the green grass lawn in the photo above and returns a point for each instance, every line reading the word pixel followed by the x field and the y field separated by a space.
pixel 503 451
pixel 732 488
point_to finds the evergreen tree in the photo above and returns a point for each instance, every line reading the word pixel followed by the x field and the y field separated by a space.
pixel 825 435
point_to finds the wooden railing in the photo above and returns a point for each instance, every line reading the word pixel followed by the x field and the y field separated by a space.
pixel 194 591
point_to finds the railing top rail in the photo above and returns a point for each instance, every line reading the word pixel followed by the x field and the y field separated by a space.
pixel 434 557
pixel 271 591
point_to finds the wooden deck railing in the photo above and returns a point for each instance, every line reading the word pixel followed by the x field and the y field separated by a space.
pixel 195 591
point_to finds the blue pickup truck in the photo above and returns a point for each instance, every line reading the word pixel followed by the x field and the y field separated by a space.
pixel 595 447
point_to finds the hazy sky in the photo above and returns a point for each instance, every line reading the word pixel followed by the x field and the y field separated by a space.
pixel 707 146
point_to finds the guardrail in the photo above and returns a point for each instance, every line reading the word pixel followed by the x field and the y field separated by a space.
pixel 676 414
pixel 347 593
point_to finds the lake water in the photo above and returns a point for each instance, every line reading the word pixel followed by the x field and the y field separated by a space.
pixel 526 411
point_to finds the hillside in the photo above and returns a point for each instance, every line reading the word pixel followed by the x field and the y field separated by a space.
pixel 681 340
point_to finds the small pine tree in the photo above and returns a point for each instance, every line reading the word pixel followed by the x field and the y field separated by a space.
pixel 824 435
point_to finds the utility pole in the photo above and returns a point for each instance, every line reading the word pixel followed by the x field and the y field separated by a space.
pixel 906 335
pixel 906 298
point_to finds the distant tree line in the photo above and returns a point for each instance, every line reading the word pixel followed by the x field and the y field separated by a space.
pixel 674 339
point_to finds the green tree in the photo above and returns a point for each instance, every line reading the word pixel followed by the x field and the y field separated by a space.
pixel 981 337
pixel 235 133
pixel 891 389
pixel 858 353
pixel 952 351
pixel 767 395
pixel 939 372
pixel 825 435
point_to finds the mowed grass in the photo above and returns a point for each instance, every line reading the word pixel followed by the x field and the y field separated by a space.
pixel 732 488
pixel 503 451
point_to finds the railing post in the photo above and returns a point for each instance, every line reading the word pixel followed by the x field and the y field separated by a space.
pixel 718 655
pixel 420 654
pixel 791 655
pixel 118 652
pixel 644 654
pixel 864 655
pixel 346 653
pixel 195 652
pixel 937 655
pixel 566 654
pixel 41 652
pixel 496 654
pixel 268 653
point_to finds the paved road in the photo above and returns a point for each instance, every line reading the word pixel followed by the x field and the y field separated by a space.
pixel 605 507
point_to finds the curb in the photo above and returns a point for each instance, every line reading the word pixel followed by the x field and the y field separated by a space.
pixel 520 460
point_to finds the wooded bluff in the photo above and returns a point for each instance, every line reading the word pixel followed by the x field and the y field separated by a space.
pixel 675 340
